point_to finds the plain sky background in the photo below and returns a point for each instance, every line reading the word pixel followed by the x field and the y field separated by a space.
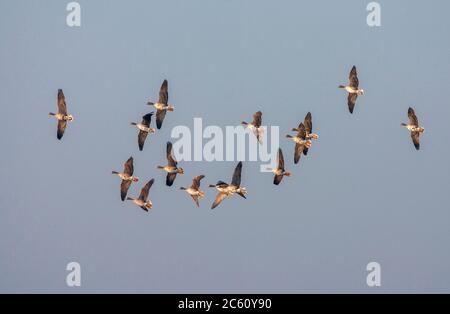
pixel 363 193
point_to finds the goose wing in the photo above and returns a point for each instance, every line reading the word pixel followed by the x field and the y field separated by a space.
pixel 277 179
pixel 219 198
pixel 308 123
pixel 236 180
pixel 147 119
pixel 141 139
pixel 353 78
pixel 62 107
pixel 172 162
pixel 170 178
pixel 412 117
pixel 309 128
pixel 129 167
pixel 196 182
pixel 301 131
pixel 298 152
pixel 415 138
pixel 196 200
pixel 144 192
pixel 124 186
pixel 257 119
pixel 160 115
pixel 280 159
pixel 164 93
pixel 62 124
pixel 352 101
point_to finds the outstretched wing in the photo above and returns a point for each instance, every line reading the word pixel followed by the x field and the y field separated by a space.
pixel 308 123
pixel 144 192
pixel 164 93
pixel 128 167
pixel 280 159
pixel 62 108
pixel 301 131
pixel 124 186
pixel 147 119
pixel 62 124
pixel 353 78
pixel 195 198
pixel 412 117
pixel 298 152
pixel 218 200
pixel 415 138
pixel 352 101
pixel 160 115
pixel 196 182
pixel 170 157
pixel 277 179
pixel 236 180
pixel 308 127
pixel 170 178
pixel 257 119
pixel 141 139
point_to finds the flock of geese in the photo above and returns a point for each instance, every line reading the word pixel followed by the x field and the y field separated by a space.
pixel 303 141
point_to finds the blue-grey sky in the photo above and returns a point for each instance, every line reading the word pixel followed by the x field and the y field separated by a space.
pixel 363 193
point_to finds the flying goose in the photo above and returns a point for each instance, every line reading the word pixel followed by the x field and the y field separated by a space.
pixel 144 129
pixel 194 190
pixel 353 89
pixel 308 128
pixel 279 172
pixel 227 190
pixel 127 178
pixel 255 126
pixel 301 142
pixel 143 201
pixel 413 126
pixel 162 106
pixel 171 168
pixel 62 115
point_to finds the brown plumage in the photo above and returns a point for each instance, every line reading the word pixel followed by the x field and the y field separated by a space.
pixel 255 126
pixel 172 168
pixel 280 171
pixel 413 126
pixel 62 115
pixel 163 99
pixel 194 190
pixel 127 178
pixel 227 190
pixel 144 129
pixel 353 89
pixel 143 201
pixel 162 106
pixel 301 142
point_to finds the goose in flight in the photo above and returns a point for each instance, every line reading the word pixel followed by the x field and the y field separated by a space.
pixel 127 178
pixel 308 128
pixel 162 106
pixel 279 172
pixel 194 190
pixel 143 201
pixel 301 142
pixel 172 169
pixel 353 89
pixel 413 126
pixel 255 126
pixel 144 129
pixel 62 115
pixel 227 190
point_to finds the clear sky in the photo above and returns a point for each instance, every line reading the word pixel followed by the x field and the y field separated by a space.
pixel 363 193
